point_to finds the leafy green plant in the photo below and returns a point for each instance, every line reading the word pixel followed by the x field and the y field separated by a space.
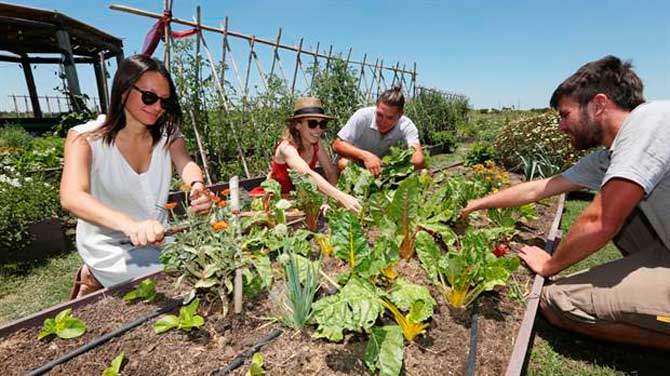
pixel 145 291
pixel 308 199
pixel 479 153
pixel 539 164
pixel 256 367
pixel 187 320
pixel 414 299
pixel 114 368
pixel 384 352
pixel 404 211
pixel 64 325
pixel 396 167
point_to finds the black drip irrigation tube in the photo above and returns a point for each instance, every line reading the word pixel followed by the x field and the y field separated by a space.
pixel 239 360
pixel 100 340
pixel 472 354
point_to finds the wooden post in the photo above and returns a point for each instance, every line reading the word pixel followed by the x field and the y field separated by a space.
pixel 380 77
pixel 251 56
pixel 372 81
pixel 101 81
pixel 360 76
pixel 224 49
pixel 32 90
pixel 395 73
pixel 297 65
pixel 167 35
pixel 315 70
pixel 346 63
pixel 414 80
pixel 69 67
pixel 330 53
pixel 235 209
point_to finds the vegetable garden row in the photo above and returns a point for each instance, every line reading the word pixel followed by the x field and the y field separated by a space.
pixel 407 286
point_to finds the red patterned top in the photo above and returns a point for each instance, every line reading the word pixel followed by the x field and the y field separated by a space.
pixel 279 171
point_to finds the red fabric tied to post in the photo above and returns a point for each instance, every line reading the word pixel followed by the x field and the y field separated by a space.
pixel 157 32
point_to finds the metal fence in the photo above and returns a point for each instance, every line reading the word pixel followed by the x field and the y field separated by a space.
pixel 52 106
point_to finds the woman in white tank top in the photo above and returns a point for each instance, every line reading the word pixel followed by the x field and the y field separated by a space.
pixel 117 171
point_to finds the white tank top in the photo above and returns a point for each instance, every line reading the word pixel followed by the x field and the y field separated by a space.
pixel 115 184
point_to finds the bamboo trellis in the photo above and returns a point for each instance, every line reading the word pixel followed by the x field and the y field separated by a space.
pixel 372 78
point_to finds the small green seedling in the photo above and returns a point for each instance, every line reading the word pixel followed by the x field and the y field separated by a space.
pixel 114 368
pixel 187 320
pixel 64 326
pixel 256 368
pixel 145 291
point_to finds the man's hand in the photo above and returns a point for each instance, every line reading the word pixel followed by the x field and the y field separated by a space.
pixel 537 260
pixel 373 163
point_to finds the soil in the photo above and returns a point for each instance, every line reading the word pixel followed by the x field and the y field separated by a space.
pixel 443 350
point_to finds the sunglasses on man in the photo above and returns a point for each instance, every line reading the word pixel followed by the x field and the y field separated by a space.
pixel 317 123
pixel 149 98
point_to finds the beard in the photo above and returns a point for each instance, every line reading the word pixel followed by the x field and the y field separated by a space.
pixel 587 134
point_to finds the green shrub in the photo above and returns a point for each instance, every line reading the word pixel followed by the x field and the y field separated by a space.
pixel 446 138
pixel 479 153
pixel 14 136
pixel 435 111
pixel 528 139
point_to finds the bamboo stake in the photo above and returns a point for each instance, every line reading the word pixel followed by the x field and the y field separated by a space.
pixel 315 69
pixel 395 74
pixel 251 56
pixel 260 71
pixel 198 140
pixel 380 77
pixel 222 96
pixel 168 33
pixel 275 55
pixel 330 52
pixel 235 208
pixel 361 76
pixel 372 82
pixel 224 43
pixel 414 80
pixel 297 66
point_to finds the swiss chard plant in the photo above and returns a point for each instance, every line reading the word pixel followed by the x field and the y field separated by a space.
pixel 145 291
pixel 114 368
pixel 256 367
pixel 186 321
pixel 413 299
pixel 64 325
pixel 308 199
pixel 384 352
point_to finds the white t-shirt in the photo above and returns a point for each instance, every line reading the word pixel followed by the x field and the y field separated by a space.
pixel 362 132
pixel 115 184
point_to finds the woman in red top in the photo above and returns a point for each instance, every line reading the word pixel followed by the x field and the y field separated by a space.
pixel 300 149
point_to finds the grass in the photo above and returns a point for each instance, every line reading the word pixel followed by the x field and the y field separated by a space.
pixel 556 352
pixel 36 286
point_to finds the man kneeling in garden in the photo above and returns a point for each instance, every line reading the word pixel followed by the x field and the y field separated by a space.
pixel 627 300
pixel 371 131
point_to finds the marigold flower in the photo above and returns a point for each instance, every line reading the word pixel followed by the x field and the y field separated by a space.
pixel 225 192
pixel 222 204
pixel 220 225
pixel 170 205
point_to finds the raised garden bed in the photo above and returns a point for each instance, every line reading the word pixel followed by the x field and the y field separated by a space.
pixel 444 349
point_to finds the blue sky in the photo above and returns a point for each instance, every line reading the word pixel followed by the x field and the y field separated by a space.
pixel 498 53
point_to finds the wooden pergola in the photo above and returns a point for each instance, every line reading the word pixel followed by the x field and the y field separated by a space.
pixel 26 32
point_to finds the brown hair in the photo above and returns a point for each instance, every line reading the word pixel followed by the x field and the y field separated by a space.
pixel 292 135
pixel 609 76
pixel 393 97
pixel 128 73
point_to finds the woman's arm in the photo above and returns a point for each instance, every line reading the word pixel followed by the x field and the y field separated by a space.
pixel 190 172
pixel 290 154
pixel 327 164
pixel 75 196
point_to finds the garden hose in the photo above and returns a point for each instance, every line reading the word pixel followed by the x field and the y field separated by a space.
pixel 239 360
pixel 172 304
pixel 472 354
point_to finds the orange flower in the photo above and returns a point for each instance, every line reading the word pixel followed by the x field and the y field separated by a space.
pixel 170 205
pixel 225 192
pixel 222 204
pixel 212 196
pixel 220 225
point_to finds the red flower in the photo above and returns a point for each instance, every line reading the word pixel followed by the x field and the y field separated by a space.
pixel 501 250
pixel 170 205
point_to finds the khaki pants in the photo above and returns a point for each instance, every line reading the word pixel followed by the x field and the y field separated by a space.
pixel 633 290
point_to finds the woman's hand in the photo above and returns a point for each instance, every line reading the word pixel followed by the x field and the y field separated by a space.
pixel 146 232
pixel 351 203
pixel 199 202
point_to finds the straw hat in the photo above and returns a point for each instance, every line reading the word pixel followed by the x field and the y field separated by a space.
pixel 309 107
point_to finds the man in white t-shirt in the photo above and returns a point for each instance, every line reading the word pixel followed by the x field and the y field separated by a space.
pixel 371 131
pixel 626 300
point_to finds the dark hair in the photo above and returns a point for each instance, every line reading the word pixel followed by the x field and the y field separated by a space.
pixel 393 97
pixel 609 76
pixel 128 73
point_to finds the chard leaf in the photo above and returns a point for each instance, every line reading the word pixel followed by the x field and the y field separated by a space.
pixel 347 237
pixel 114 367
pixel 413 298
pixel 145 291
pixel 166 323
pixel 429 254
pixel 404 211
pixel 256 368
pixel 385 350
pixel 63 325
pixel 354 308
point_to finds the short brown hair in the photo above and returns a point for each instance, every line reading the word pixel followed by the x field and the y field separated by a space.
pixel 609 76
pixel 393 97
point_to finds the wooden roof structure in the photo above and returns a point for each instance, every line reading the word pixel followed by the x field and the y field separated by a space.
pixel 26 31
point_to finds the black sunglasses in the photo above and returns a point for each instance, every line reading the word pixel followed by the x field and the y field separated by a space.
pixel 149 98
pixel 317 123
